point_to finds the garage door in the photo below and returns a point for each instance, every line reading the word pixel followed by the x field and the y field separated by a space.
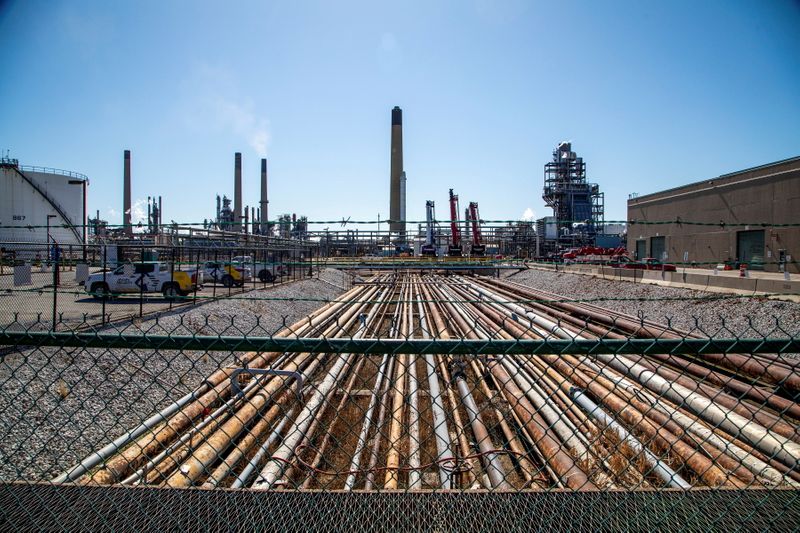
pixel 658 248
pixel 750 248
pixel 641 249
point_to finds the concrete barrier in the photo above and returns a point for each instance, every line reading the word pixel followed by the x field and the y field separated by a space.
pixel 681 279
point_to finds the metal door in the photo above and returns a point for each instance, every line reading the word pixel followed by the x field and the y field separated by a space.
pixel 658 248
pixel 750 248
pixel 641 249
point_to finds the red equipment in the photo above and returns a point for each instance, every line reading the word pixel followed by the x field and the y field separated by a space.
pixel 454 250
pixel 477 247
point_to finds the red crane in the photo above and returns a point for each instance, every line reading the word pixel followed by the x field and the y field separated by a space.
pixel 478 248
pixel 454 250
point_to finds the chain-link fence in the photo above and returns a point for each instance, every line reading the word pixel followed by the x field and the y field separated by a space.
pixel 63 287
pixel 438 402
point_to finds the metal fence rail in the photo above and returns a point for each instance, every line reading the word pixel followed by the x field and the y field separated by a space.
pixel 414 393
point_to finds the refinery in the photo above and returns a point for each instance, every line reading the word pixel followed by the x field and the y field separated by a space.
pixel 431 267
pixel 266 354
pixel 44 205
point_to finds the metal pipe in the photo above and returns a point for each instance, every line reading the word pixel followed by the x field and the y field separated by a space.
pixel 322 448
pixel 252 464
pixel 759 436
pixel 441 433
pixel 668 475
pixel 414 475
pixel 494 468
pixel 275 468
pixel 95 458
pixel 398 409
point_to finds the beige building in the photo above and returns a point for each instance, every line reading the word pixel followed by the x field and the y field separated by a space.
pixel 746 210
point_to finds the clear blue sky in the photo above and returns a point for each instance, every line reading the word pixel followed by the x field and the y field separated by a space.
pixel 652 95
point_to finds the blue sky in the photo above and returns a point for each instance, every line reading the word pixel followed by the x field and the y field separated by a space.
pixel 652 95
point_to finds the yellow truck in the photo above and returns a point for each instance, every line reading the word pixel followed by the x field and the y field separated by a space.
pixel 150 276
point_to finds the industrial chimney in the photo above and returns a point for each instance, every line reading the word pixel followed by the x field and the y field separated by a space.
pixel 396 199
pixel 237 192
pixel 126 195
pixel 263 216
pixel 403 199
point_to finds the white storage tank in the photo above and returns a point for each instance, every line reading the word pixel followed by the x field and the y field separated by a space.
pixel 33 198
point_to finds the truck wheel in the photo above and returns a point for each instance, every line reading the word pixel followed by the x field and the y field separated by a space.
pixel 227 281
pixel 266 276
pixel 100 291
pixel 170 291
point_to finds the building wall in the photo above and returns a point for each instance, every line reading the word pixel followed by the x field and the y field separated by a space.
pixel 22 205
pixel 761 198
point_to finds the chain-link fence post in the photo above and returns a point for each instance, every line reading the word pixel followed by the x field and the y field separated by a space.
pixel 55 285
pixel 142 281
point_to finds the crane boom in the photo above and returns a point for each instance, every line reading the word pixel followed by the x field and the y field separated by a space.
pixel 476 229
pixel 455 244
pixel 478 248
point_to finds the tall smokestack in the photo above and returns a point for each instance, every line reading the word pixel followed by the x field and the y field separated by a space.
pixel 263 217
pixel 237 192
pixel 126 195
pixel 403 198
pixel 395 196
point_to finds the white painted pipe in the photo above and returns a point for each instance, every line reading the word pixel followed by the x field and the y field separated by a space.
pixel 659 467
pixel 735 424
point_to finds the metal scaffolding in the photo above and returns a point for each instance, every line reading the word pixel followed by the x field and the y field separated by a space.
pixel 577 205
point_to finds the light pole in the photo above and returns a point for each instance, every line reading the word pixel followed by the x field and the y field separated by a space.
pixel 47 239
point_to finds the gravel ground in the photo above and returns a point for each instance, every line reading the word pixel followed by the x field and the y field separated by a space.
pixel 57 405
pixel 339 278
pixel 691 310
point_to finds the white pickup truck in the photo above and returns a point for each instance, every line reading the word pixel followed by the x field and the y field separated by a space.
pixel 142 277
pixel 267 272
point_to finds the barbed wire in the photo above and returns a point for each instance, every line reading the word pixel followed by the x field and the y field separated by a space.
pixel 347 222
pixel 368 261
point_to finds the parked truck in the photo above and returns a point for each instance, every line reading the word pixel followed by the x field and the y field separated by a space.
pixel 148 276
pixel 266 271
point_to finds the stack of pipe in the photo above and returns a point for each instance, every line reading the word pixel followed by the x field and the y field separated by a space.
pixel 438 421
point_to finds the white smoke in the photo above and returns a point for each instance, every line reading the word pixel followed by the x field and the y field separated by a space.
pixel 259 139
pixel 529 215
pixel 139 213
pixel 214 98
pixel 244 122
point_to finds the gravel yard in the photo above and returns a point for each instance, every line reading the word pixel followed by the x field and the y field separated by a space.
pixel 701 312
pixel 59 404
